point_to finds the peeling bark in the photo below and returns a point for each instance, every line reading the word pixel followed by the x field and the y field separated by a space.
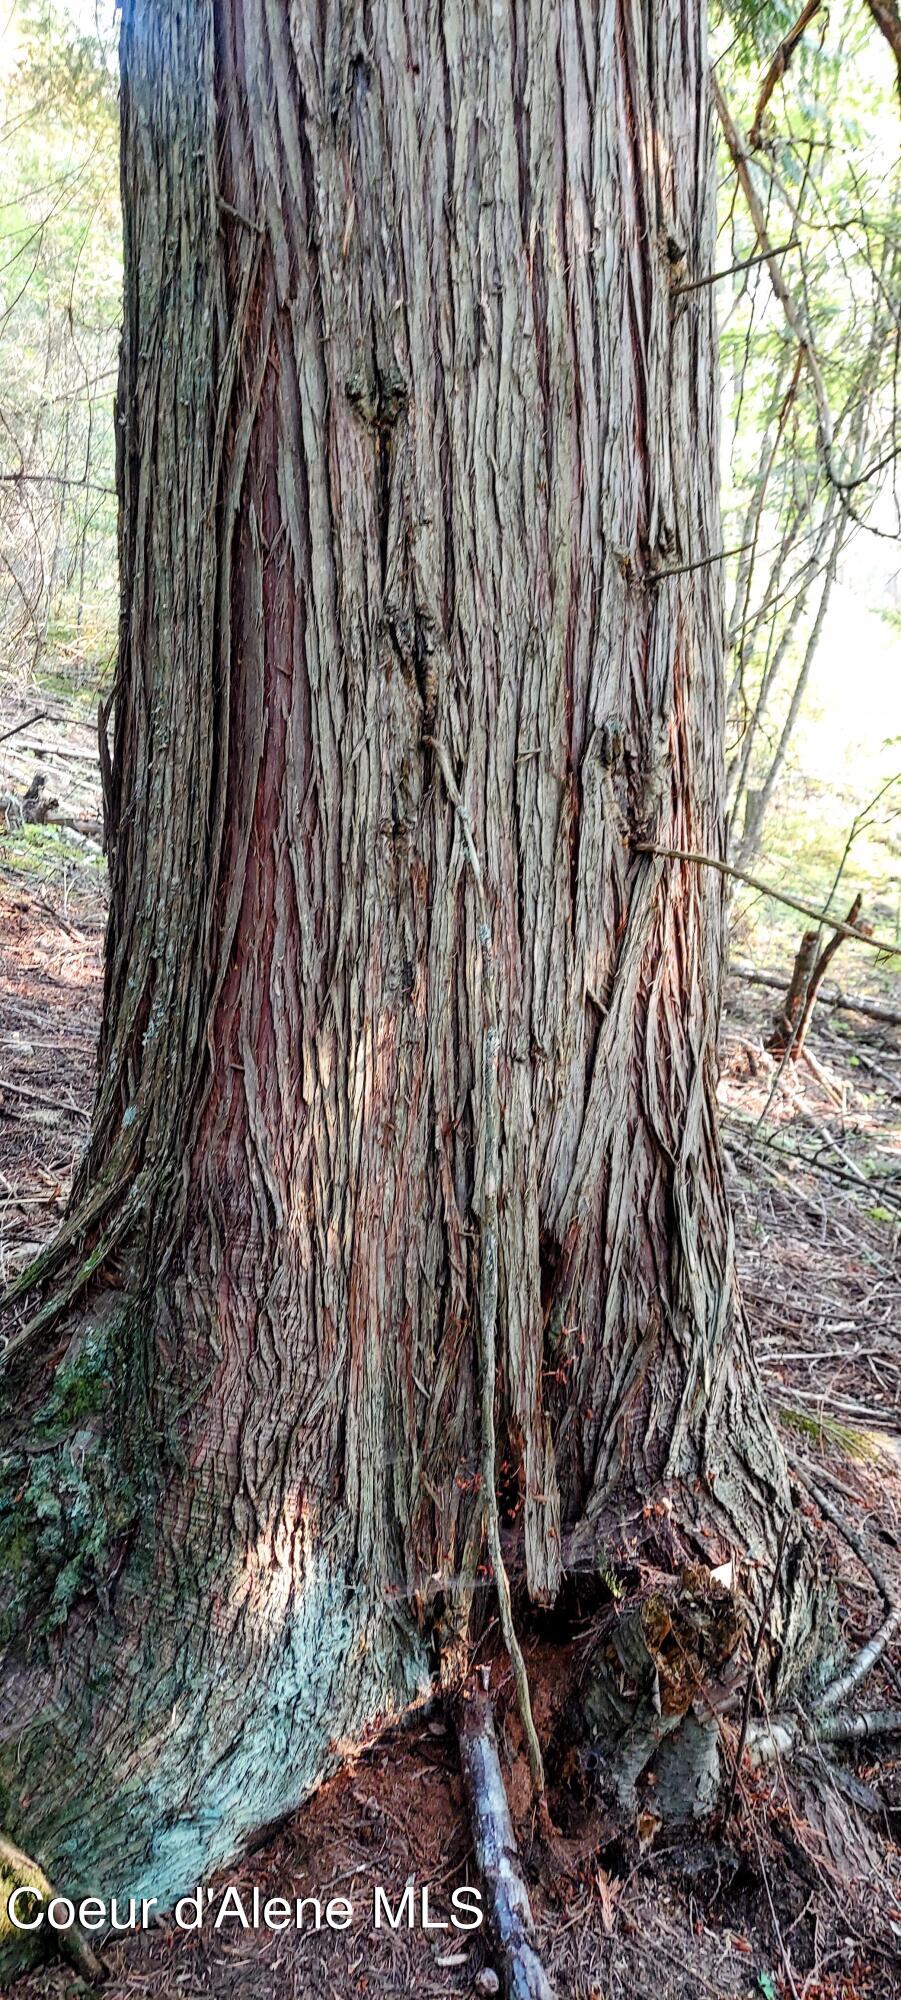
pixel 409 422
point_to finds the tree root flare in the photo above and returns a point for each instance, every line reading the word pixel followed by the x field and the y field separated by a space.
pixel 19 1871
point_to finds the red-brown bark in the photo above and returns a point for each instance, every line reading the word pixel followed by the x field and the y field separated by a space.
pixel 416 443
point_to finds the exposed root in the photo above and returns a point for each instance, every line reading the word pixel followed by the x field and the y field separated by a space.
pixel 509 1912
pixel 18 1871
pixel 781 1736
pixel 784 1735
pixel 655 1673
pixel 868 1655
pixel 862 1663
pixel 882 1722
pixel 755 1655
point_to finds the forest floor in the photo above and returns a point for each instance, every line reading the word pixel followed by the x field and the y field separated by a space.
pixel 799 1894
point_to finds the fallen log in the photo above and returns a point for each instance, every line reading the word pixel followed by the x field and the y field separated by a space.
pixel 509 1911
pixel 90 829
pixel 829 996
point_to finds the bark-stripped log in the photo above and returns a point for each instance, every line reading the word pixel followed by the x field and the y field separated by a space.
pixel 830 996
pixel 508 1908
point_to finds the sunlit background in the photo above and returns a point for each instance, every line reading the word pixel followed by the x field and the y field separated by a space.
pixel 831 154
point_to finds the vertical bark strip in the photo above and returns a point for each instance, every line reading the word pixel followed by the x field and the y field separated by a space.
pixel 415 442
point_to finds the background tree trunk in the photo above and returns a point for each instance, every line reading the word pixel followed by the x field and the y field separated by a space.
pixel 415 441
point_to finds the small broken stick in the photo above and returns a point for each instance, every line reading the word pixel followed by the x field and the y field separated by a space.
pixel 509 1911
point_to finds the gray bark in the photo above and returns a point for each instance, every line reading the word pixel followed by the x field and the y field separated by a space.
pixel 511 1927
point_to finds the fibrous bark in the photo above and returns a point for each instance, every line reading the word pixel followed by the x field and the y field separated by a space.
pixel 410 424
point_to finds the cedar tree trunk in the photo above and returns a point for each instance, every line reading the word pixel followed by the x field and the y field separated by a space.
pixel 418 446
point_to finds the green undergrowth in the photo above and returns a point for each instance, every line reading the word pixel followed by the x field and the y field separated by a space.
pixel 42 853
pixel 827 1431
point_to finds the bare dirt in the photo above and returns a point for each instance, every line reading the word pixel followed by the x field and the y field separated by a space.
pixel 799 1895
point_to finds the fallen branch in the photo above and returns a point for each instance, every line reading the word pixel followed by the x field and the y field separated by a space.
pixel 885 1187
pixel 766 889
pixel 885 1076
pixel 29 719
pixel 47 910
pixel 830 996
pixel 70 753
pixel 509 1911
pixel 41 1097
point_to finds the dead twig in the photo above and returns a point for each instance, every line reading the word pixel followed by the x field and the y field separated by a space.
pixel 730 270
pixel 767 889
